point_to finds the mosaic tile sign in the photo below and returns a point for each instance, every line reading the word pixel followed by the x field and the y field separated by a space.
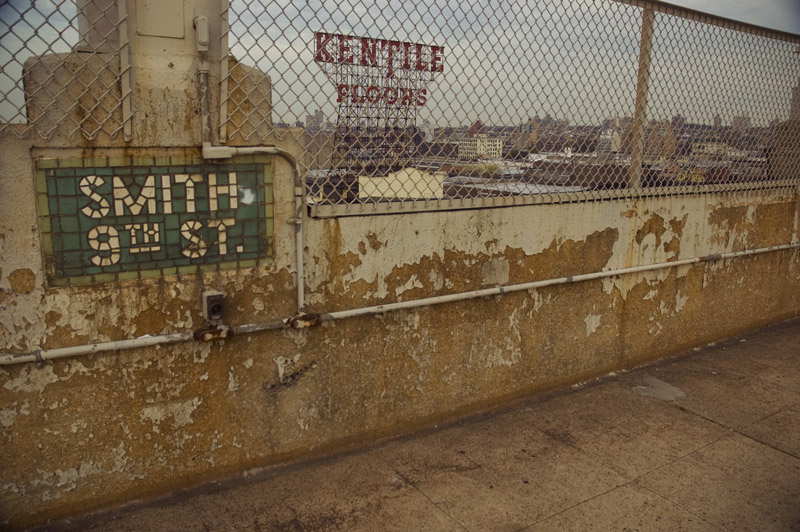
pixel 105 219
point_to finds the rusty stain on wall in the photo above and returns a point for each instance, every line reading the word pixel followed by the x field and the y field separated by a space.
pixel 653 226
pixel 730 226
pixel 22 281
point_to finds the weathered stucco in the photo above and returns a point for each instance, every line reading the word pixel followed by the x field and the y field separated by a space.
pixel 79 434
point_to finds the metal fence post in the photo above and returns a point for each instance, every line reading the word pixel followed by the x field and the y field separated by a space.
pixel 642 90
pixel 126 88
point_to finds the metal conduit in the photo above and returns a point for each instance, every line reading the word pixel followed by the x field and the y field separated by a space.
pixel 226 152
pixel 210 151
pixel 302 320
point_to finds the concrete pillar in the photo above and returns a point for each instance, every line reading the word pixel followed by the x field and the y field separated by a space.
pixel 98 22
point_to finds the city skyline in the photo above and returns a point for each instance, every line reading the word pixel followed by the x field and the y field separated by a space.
pixel 579 63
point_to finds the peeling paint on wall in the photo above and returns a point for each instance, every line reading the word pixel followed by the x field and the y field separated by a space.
pixel 180 412
pixel 592 323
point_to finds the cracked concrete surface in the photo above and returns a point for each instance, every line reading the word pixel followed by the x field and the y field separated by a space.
pixel 724 454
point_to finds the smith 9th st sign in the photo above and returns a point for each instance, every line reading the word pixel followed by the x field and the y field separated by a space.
pixel 102 223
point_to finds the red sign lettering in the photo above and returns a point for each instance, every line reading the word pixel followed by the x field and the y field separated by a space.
pixel 378 53
pixel 322 55
pixel 387 95
pixel 437 64
pixel 344 49
pixel 369 52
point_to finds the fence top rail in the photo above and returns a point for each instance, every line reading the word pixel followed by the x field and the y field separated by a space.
pixel 713 20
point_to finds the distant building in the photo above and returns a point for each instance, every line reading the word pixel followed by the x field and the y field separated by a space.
pixel 740 124
pixel 476 128
pixel 678 122
pixel 710 148
pixel 408 183
pixel 660 141
pixel 319 149
pixel 525 136
pixel 315 120
pixel 610 141
pixel 479 147
pixel 427 131
pixel 784 159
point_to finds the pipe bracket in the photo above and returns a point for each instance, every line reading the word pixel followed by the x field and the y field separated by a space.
pixel 212 332
pixel 302 321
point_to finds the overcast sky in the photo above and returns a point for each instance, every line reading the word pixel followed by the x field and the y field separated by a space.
pixel 781 15
pixel 508 60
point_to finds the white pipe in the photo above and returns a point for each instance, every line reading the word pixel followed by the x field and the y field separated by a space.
pixel 226 152
pixel 540 284
pixel 299 202
pixel 64 352
pixel 300 321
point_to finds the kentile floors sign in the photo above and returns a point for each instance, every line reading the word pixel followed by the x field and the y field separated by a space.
pixel 398 63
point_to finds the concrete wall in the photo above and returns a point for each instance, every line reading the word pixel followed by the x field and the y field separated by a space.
pixel 80 434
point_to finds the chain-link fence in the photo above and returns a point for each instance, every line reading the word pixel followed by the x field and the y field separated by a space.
pixel 64 68
pixel 447 104
pixel 455 104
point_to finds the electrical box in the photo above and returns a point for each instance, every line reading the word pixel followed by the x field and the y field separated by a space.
pixel 213 305
pixel 157 18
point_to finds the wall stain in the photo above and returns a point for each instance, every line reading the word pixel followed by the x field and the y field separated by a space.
pixel 22 281
pixel 771 225
pixel 678 225
pixel 52 317
pixel 729 227
pixel 289 378
pixel 65 335
pixel 653 226
pixel 458 271
pixel 673 247
pixel 374 243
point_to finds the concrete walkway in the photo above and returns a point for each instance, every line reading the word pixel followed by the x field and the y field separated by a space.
pixel 705 442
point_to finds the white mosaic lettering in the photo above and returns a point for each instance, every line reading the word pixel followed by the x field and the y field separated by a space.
pixel 222 226
pixel 150 237
pixel 197 246
pixel 189 180
pixel 123 197
pixel 111 244
pixel 102 207
pixel 166 194
pixel 230 190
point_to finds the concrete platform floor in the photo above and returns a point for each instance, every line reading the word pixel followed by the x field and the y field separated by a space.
pixel 708 441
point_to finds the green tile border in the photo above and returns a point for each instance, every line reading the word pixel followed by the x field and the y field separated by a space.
pixel 41 164
pixel 41 182
pixel 43 205
pixel 105 277
pixel 125 276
